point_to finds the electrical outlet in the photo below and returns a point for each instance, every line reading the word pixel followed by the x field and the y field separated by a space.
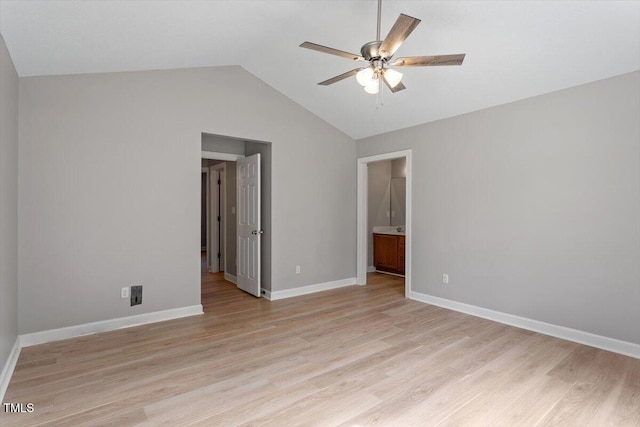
pixel 297 269
pixel 124 293
pixel 136 295
pixel 445 278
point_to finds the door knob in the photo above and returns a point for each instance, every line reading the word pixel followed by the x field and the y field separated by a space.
pixel 256 232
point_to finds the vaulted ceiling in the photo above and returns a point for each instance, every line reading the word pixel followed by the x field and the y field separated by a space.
pixel 514 49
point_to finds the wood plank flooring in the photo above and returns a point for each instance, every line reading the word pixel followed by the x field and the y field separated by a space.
pixel 353 356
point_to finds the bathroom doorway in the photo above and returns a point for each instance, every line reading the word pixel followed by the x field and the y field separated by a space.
pixel 384 216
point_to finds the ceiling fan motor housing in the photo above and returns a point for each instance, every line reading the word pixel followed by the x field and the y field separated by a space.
pixel 371 50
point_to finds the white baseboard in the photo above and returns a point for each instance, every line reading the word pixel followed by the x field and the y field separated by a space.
pixel 230 278
pixel 587 338
pixel 371 269
pixel 288 293
pixel 9 366
pixel 265 293
pixel 34 338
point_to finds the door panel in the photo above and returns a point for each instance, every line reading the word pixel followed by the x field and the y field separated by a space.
pixel 249 230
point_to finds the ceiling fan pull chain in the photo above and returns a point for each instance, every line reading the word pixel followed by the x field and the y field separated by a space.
pixel 379 96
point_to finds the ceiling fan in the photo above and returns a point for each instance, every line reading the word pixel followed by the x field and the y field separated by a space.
pixel 379 53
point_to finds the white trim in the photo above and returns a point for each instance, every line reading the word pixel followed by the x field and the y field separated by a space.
pixel 587 338
pixel 304 290
pixel 265 293
pixel 362 230
pixel 230 278
pixel 371 269
pixel 214 155
pixel 9 366
pixel 34 338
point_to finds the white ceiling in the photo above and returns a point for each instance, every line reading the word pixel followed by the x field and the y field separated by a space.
pixel 514 49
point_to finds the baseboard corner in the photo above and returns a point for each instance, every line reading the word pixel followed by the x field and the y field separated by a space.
pixel 9 366
pixel 266 294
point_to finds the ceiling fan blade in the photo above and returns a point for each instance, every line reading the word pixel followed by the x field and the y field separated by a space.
pixel 394 89
pixel 332 51
pixel 403 26
pixel 428 61
pixel 341 77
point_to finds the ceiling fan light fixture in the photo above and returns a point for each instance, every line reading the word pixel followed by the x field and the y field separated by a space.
pixel 365 76
pixel 379 53
pixel 392 77
pixel 373 86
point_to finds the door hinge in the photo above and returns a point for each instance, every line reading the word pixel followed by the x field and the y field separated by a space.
pixel 218 218
pixel 219 182
pixel 219 256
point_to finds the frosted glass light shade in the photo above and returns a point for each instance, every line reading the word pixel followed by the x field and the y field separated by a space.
pixel 392 76
pixel 373 87
pixel 364 76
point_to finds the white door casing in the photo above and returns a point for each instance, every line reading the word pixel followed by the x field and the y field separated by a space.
pixel 249 230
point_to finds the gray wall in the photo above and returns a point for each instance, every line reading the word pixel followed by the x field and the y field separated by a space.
pixel 221 144
pixel 266 240
pixel 378 198
pixel 533 208
pixel 8 204
pixel 123 150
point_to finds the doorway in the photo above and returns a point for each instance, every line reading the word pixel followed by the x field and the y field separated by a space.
pixel 213 235
pixel 233 152
pixel 218 226
pixel 363 231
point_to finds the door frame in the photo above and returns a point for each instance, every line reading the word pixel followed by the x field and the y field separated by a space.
pixel 221 245
pixel 362 216
pixel 205 171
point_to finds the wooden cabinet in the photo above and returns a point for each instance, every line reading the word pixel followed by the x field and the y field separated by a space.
pixel 388 253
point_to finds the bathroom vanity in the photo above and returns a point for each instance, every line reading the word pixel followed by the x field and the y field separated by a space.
pixel 388 249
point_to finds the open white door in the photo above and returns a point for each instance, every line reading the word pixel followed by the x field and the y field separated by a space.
pixel 249 230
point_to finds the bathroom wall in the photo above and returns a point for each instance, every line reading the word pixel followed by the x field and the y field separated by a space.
pixel 379 177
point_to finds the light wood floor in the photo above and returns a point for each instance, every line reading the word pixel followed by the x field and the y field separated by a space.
pixel 354 356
